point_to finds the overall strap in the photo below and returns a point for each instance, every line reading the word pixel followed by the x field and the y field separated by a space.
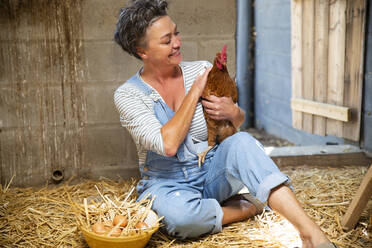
pixel 162 112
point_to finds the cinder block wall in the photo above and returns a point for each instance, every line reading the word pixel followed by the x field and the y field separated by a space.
pixel 59 68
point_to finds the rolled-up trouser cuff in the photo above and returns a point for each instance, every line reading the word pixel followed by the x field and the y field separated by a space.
pixel 219 215
pixel 273 180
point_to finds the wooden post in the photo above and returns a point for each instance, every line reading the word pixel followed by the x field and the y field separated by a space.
pixel 359 201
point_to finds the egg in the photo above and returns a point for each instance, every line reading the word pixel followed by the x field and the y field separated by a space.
pixel 108 224
pixel 99 228
pixel 141 225
pixel 120 219
pixel 116 232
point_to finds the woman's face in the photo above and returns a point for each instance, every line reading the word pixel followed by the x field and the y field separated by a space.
pixel 163 43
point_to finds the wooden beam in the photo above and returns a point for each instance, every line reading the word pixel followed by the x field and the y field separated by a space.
pixel 321 109
pixel 359 201
pixel 331 155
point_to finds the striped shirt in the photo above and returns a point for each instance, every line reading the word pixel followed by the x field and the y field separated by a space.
pixel 138 117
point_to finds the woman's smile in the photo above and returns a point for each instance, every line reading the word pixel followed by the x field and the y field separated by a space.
pixel 175 54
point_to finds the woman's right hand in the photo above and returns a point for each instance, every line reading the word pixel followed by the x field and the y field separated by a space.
pixel 175 130
pixel 201 81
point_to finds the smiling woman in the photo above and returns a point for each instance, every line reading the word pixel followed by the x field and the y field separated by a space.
pixel 161 108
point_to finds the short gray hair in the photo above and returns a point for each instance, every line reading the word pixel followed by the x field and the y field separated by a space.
pixel 133 21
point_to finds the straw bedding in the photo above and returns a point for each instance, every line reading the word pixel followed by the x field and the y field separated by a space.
pixel 43 217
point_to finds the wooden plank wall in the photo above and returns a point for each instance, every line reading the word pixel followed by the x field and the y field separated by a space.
pixel 327 62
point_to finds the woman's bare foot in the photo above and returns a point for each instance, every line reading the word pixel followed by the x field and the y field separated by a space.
pixel 236 208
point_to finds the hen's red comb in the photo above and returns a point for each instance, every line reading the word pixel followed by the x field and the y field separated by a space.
pixel 223 52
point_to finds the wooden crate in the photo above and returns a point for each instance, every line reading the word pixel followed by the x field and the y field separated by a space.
pixel 327 66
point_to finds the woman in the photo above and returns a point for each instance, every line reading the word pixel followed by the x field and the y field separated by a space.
pixel 161 108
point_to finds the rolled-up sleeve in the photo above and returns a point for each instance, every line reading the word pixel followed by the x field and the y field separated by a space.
pixel 139 119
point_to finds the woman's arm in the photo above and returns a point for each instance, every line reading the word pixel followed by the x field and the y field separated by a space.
pixel 175 130
pixel 139 119
pixel 223 108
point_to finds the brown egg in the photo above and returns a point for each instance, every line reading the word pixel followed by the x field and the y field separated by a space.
pixel 116 232
pixel 141 225
pixel 99 228
pixel 120 219
pixel 108 223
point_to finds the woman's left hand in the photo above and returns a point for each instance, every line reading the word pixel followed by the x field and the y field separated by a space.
pixel 220 108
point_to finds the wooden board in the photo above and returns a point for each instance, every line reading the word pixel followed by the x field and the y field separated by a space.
pixel 308 46
pixel 355 28
pixel 321 61
pixel 359 201
pixel 296 46
pixel 321 109
pixel 336 61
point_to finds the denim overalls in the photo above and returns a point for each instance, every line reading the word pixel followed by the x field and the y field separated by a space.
pixel 187 195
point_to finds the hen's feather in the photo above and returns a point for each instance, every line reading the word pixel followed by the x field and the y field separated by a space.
pixel 220 84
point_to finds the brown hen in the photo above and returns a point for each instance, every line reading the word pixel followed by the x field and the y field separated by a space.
pixel 220 84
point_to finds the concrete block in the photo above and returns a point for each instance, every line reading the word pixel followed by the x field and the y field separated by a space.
pixel 22 155
pixel 33 154
pixel 274 85
pixel 272 14
pixel 39 62
pixel 367 93
pixel 293 135
pixel 21 62
pixel 99 18
pixel 368 53
pixel 99 58
pixel 108 146
pixel 100 107
pixel 22 107
pixel 208 50
pixel 39 20
pixel 189 51
pixel 274 63
pixel 369 19
pixel 277 110
pixel 124 64
pixel 273 40
pixel 195 17
pixel 115 172
pixel 105 62
pixel 40 107
pixel 367 131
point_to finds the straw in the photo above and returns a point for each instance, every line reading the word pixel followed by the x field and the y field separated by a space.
pixel 46 216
